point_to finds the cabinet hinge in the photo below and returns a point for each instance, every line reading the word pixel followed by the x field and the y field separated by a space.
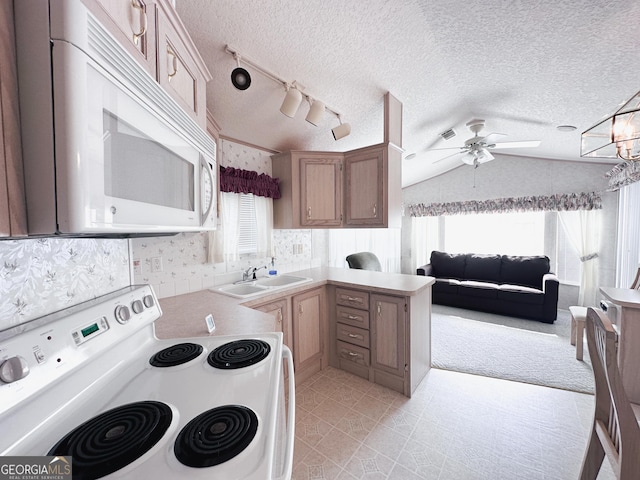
pixel 405 307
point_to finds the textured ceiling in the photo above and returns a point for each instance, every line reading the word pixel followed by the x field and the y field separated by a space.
pixel 524 66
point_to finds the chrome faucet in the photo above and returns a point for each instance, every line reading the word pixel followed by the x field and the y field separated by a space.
pixel 250 273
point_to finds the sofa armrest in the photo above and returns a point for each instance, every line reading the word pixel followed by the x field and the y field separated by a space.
pixel 426 270
pixel 550 283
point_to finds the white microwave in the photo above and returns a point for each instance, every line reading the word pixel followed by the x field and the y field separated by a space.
pixel 107 151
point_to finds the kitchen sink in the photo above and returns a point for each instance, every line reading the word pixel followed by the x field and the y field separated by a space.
pixel 281 281
pixel 261 285
pixel 241 290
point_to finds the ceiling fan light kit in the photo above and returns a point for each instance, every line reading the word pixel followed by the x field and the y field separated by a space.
pixel 241 79
pixel 617 136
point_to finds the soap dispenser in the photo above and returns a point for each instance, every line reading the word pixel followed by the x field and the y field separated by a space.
pixel 272 268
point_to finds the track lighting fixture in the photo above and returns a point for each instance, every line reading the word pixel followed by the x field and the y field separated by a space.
pixel 316 112
pixel 291 101
pixel 341 130
pixel 239 76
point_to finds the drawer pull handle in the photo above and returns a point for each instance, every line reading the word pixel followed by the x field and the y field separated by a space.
pixel 354 317
pixel 354 299
pixel 352 354
pixel 174 62
pixel 353 335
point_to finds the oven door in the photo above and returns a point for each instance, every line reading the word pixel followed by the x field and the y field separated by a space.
pixel 123 166
pixel 285 425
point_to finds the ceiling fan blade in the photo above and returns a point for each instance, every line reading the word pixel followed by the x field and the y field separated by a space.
pixel 492 137
pixel 525 144
pixel 445 157
pixel 442 149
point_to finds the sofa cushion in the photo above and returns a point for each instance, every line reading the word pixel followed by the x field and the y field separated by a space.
pixel 520 294
pixel 485 268
pixel 526 271
pixel 447 265
pixel 446 285
pixel 478 289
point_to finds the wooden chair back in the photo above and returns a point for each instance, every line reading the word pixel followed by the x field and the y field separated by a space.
pixel 615 427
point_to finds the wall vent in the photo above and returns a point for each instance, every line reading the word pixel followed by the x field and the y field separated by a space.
pixel 447 134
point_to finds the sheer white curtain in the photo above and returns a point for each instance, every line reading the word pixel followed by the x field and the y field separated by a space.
pixel 383 242
pixel 628 251
pixel 223 243
pixel 425 237
pixel 583 230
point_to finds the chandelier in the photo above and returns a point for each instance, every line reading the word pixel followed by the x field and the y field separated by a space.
pixel 617 136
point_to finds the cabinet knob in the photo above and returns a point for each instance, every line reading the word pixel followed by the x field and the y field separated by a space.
pixel 137 4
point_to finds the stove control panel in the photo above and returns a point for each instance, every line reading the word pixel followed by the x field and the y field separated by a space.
pixel 90 331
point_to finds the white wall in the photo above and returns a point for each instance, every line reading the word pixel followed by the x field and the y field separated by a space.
pixel 512 176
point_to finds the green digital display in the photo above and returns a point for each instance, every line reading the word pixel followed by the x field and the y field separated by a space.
pixel 89 330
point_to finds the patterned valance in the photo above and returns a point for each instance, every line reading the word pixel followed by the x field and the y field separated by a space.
pixel 246 181
pixel 567 201
pixel 623 174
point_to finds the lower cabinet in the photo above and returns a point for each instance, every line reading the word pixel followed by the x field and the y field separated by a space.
pixel 307 327
pixel 370 332
pixel 301 318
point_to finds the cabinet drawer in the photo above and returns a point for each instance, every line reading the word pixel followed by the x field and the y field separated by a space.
pixel 352 298
pixel 354 335
pixel 353 353
pixel 352 316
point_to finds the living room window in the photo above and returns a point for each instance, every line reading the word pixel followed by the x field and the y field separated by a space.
pixel 517 233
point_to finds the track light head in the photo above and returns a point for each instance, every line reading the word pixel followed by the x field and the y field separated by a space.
pixel 240 78
pixel 291 101
pixel 316 112
pixel 341 130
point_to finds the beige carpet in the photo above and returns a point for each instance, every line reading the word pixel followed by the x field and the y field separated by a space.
pixel 509 348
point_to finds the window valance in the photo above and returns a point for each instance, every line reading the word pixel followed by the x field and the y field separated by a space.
pixel 236 180
pixel 558 202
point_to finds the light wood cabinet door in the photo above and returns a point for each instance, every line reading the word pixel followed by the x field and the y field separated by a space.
pixel 279 309
pixel 180 71
pixel 365 195
pixel 388 324
pixel 321 191
pixel 13 216
pixel 308 312
pixel 133 24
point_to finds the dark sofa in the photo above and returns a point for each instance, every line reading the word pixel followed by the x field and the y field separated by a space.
pixel 519 286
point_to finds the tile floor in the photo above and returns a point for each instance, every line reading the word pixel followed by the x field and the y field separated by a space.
pixel 456 426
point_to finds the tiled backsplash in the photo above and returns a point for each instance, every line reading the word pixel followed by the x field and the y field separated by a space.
pixel 40 276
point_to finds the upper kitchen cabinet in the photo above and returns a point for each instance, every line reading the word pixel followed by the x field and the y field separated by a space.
pixel 310 188
pixel 181 70
pixel 360 188
pixel 13 217
pixel 133 24
pixel 373 194
pixel 152 32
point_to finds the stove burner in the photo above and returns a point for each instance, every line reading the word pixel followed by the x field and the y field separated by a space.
pixel 239 354
pixel 176 355
pixel 215 436
pixel 114 439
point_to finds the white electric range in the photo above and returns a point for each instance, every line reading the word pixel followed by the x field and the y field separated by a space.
pixel 94 383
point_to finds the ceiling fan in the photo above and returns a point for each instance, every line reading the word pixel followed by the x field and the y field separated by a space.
pixel 476 149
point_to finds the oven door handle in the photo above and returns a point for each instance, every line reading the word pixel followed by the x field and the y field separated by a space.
pixel 291 416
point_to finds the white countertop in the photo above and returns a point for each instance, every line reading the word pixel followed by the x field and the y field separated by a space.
pixel 183 315
pixel 625 297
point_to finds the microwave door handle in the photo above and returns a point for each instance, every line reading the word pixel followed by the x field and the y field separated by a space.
pixel 205 166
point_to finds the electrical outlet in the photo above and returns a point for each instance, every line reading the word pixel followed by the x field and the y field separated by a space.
pixel 156 264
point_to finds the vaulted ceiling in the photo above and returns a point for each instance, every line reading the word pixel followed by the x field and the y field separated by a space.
pixel 523 66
